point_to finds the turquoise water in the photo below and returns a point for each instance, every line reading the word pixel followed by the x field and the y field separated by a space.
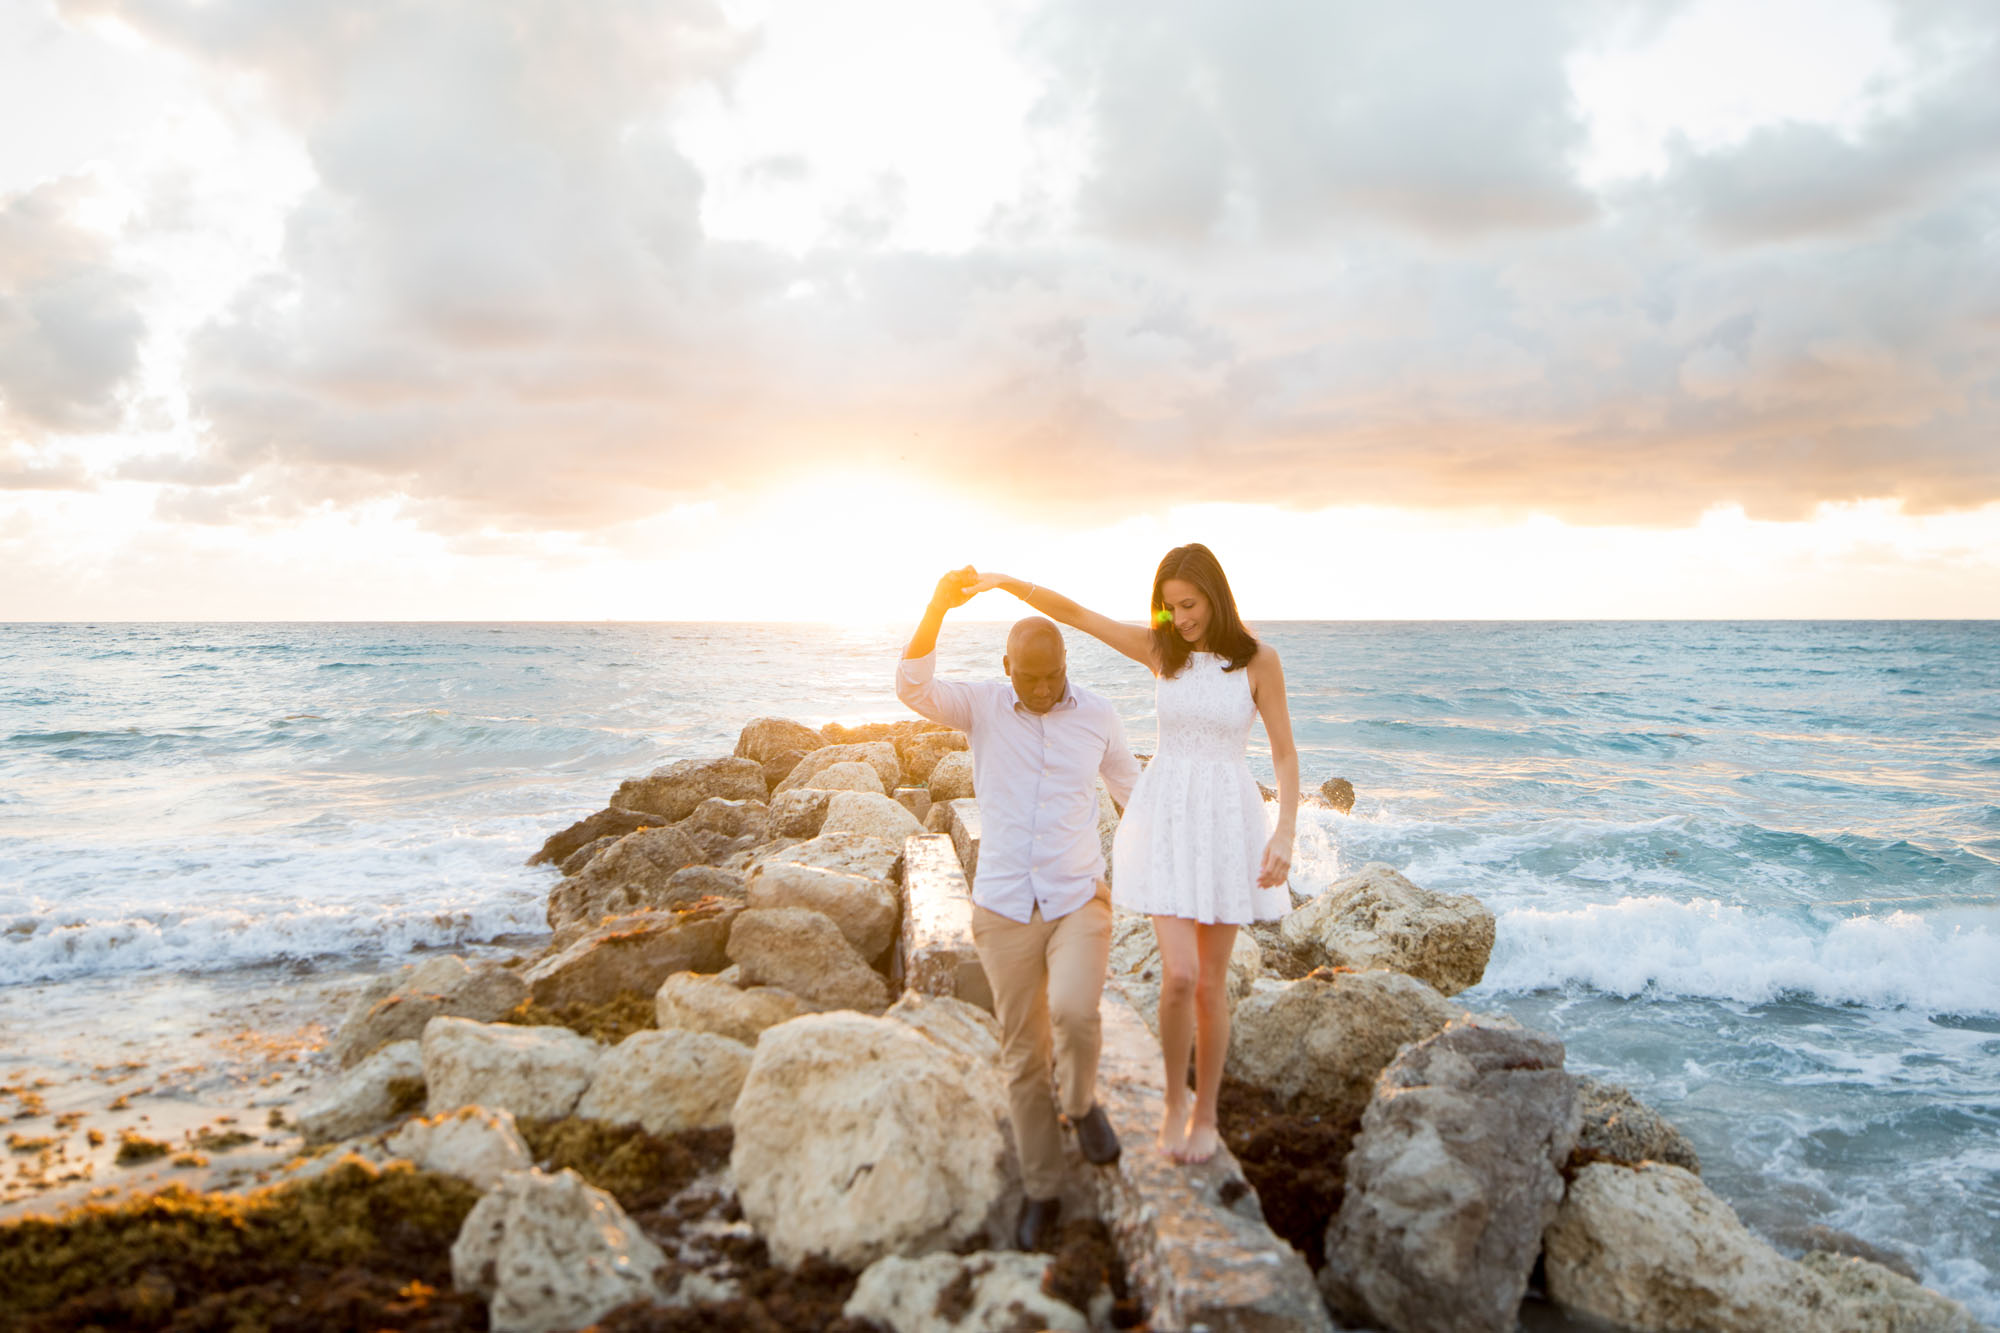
pixel 1752 870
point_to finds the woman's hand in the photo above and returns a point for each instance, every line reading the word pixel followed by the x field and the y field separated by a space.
pixel 986 583
pixel 1277 867
pixel 957 588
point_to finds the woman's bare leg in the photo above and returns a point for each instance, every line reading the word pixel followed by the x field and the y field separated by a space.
pixel 1211 1045
pixel 1180 964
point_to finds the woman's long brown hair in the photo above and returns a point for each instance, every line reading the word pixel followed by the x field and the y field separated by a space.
pixel 1196 564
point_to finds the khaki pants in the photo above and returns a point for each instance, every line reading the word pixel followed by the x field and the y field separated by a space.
pixel 1046 975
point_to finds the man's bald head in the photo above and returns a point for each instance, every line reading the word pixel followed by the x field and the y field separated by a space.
pixel 1036 662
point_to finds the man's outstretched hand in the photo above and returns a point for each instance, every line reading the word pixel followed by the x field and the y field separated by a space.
pixel 956 588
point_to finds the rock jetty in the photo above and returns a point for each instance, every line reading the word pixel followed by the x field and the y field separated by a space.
pixel 751 1083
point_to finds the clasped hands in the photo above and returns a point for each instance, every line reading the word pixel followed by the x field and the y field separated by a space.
pixel 960 586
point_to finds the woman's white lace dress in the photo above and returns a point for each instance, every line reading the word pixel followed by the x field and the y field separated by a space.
pixel 1194 832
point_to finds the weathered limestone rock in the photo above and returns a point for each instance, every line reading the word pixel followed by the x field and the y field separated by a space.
pixel 921 752
pixel 798 813
pixel 1338 793
pixel 960 820
pixel 608 822
pixel 1456 1171
pixel 844 875
pixel 917 800
pixel 531 1071
pixel 881 755
pixel 838 733
pixel 987 1292
pixel 1620 1127
pixel 1107 825
pixel 700 1003
pixel 551 1254
pixel 674 791
pixel 1376 918
pixel 964 1029
pixel 667 1081
pixel 1319 1042
pixel 1877 1299
pixel 849 775
pixel 730 819
pixel 856 1138
pixel 805 953
pixel 1195 1244
pixel 951 777
pixel 690 884
pixel 938 953
pixel 764 739
pixel 1650 1247
pixel 634 953
pixel 1818 1238
pixel 869 814
pixel 395 1007
pixel 359 1099
pixel 628 876
pixel 472 1143
pixel 584 855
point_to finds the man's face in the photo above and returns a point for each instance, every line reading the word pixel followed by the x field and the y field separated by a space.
pixel 1039 673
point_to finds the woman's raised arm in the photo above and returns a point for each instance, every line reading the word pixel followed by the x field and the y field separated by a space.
pixel 1135 641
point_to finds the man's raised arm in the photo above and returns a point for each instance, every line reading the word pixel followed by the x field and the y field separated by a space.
pixel 937 700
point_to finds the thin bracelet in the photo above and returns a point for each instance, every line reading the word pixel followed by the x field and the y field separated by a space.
pixel 1030 593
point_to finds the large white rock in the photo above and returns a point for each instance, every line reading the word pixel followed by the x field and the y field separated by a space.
pixel 552 1253
pixel 667 1081
pixel 881 755
pixel 360 1098
pixel 1881 1300
pixel 531 1071
pixel 395 1006
pixel 870 814
pixel 987 1292
pixel 804 952
pixel 472 1143
pixel 951 777
pixel 856 1137
pixel 1376 918
pixel 957 1025
pixel 848 775
pixel 1319 1042
pixel 842 876
pixel 700 1002
pixel 1651 1247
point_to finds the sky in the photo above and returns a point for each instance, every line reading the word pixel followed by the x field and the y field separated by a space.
pixel 776 309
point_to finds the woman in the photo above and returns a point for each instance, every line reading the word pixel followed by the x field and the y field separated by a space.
pixel 1192 851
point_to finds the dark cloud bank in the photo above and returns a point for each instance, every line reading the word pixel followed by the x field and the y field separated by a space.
pixel 1320 254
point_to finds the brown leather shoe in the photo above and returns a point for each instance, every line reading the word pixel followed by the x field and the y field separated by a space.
pixel 1038 1223
pixel 1096 1138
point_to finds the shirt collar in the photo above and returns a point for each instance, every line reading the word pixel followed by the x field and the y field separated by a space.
pixel 1068 701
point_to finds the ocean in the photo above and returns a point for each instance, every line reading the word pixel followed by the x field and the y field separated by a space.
pixel 1751 870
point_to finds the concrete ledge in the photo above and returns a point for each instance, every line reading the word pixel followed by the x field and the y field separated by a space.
pixel 937 951
pixel 1193 1237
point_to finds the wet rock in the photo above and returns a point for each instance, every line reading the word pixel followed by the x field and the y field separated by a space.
pixel 870 815
pixel 858 1138
pixel 964 1029
pixel 474 1143
pixel 849 775
pixel 1618 1127
pixel 531 1071
pixel 1877 1299
pixel 798 813
pixel 667 1081
pixel 634 953
pixel 766 739
pixel 608 822
pixel 987 1292
pixel 804 952
pixel 951 777
pixel 1650 1247
pixel 1375 918
pixel 1456 1171
pixel 1317 1043
pixel 880 755
pixel 699 1003
pixel 629 876
pixel 359 1099
pixel 552 1253
pixel 674 791
pixel 396 1007
pixel 921 752
pixel 847 876
pixel 1338 793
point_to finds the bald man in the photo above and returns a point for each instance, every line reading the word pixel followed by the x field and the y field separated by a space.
pixel 1041 915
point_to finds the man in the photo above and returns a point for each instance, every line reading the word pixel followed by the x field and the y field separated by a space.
pixel 1041 906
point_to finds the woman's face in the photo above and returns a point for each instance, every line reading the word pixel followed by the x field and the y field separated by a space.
pixel 1189 609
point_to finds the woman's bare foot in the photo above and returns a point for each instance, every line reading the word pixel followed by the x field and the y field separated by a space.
pixel 1173 1130
pixel 1202 1141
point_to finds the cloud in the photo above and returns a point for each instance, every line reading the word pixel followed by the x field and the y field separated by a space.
pixel 70 321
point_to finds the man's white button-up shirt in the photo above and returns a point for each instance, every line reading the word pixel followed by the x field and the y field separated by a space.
pixel 1036 776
